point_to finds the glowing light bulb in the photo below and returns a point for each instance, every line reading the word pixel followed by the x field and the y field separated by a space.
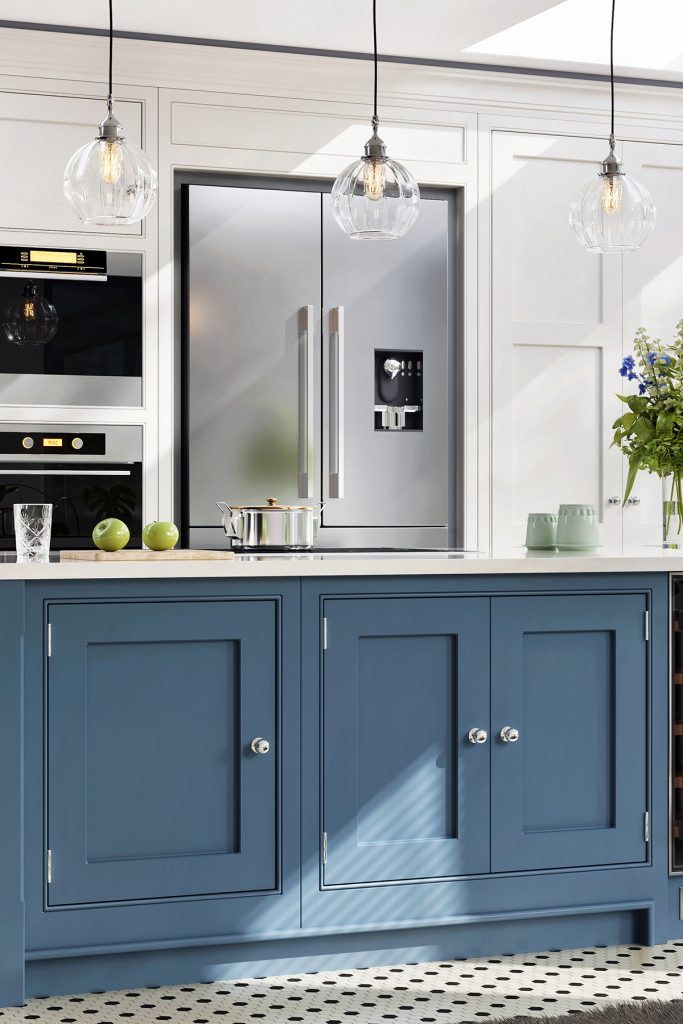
pixel 374 179
pixel 30 319
pixel 111 165
pixel 611 194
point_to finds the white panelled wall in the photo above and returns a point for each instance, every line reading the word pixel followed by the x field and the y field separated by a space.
pixel 544 323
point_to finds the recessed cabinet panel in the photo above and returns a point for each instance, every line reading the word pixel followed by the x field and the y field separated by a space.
pixel 42 132
pixel 569 675
pixel 403 788
pixel 565 675
pixel 152 707
pixel 154 778
pixel 416 768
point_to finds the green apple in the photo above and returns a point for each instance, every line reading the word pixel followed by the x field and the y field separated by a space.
pixel 111 535
pixel 160 536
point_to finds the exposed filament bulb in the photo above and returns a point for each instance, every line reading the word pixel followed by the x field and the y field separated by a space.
pixel 110 163
pixel 374 179
pixel 28 310
pixel 611 193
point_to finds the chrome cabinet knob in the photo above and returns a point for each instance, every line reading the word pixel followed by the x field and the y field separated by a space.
pixel 477 735
pixel 508 734
pixel 259 745
pixel 633 500
pixel 614 500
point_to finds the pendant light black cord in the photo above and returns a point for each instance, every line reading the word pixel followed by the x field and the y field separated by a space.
pixel 611 72
pixel 375 118
pixel 111 50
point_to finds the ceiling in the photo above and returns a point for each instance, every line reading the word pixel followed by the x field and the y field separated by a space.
pixel 557 34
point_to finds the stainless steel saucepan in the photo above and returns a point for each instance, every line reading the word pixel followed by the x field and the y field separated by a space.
pixel 271 526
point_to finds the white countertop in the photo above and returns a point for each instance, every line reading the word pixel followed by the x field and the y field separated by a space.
pixel 309 564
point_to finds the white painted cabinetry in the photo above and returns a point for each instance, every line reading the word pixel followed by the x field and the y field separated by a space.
pixel 39 134
pixel 556 335
pixel 653 297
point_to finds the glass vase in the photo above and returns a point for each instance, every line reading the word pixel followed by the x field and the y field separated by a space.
pixel 672 534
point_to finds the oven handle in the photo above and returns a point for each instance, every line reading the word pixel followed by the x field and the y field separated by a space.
pixel 64 472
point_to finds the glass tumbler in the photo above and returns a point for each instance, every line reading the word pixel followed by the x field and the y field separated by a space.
pixel 32 530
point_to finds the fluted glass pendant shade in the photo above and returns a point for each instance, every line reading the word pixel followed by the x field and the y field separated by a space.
pixel 375 197
pixel 110 181
pixel 613 213
pixel 30 319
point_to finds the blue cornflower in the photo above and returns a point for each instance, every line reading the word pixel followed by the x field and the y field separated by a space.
pixel 641 389
pixel 631 375
pixel 666 360
pixel 652 358
pixel 627 366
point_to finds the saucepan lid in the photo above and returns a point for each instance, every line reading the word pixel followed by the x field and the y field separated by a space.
pixel 271 505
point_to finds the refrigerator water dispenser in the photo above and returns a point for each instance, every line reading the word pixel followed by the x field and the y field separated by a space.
pixel 398 389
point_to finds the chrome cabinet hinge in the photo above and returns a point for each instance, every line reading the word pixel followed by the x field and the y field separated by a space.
pixel 324 847
pixel 324 634
pixel 646 826
pixel 647 625
pixel 49 867
pixel 49 639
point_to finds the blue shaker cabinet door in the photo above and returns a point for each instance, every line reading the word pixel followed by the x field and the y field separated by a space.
pixel 405 794
pixel 569 674
pixel 153 789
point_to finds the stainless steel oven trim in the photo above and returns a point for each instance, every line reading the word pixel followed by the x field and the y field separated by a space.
pixel 123 444
pixel 39 274
pixel 65 472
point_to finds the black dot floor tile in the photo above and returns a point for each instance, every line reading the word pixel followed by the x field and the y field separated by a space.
pixel 539 985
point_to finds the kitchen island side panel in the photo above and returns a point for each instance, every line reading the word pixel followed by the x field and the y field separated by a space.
pixel 11 795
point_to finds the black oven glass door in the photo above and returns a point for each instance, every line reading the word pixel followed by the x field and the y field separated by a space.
pixel 96 355
pixel 81 495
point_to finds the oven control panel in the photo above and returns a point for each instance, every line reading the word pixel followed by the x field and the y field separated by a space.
pixel 54 443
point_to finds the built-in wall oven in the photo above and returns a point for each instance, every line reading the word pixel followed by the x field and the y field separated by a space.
pixel 95 300
pixel 87 472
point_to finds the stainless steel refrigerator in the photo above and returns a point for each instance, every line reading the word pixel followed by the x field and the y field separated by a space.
pixel 317 368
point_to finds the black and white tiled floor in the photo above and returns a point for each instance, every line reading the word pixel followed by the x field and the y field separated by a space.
pixel 454 992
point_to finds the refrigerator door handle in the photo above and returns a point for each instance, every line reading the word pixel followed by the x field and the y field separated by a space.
pixel 306 388
pixel 336 403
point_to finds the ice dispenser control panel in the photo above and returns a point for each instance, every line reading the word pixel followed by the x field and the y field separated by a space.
pixel 398 389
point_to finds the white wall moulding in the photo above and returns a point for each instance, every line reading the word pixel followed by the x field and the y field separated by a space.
pixel 41 131
pixel 303 134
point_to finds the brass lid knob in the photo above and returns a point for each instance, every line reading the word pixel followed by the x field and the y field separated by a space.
pixel 271 501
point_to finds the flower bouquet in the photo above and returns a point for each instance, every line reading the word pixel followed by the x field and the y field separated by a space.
pixel 650 434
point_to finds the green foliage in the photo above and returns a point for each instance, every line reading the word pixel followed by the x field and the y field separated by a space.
pixel 650 434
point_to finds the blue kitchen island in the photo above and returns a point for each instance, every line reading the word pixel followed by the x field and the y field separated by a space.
pixel 215 770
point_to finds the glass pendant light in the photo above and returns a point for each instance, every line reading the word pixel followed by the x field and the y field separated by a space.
pixel 110 180
pixel 613 212
pixel 30 319
pixel 375 197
